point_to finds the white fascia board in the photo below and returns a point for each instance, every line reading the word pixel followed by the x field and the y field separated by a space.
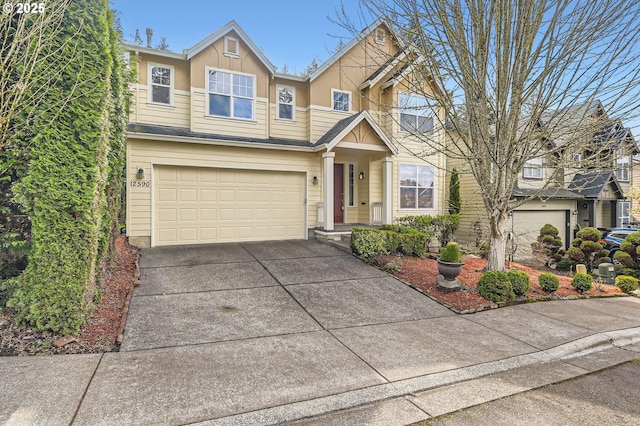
pixel 156 52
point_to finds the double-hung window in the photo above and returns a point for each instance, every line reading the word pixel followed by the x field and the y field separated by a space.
pixel 416 186
pixel 622 168
pixel 533 168
pixel 286 102
pixel 415 114
pixel 161 80
pixel 341 100
pixel 231 94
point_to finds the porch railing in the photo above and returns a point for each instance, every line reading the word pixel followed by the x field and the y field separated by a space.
pixel 377 213
pixel 320 214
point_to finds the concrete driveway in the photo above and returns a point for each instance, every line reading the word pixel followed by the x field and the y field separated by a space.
pixel 205 294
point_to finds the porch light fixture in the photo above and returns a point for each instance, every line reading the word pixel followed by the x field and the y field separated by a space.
pixel 315 180
pixel 140 174
pixel 361 176
pixel 575 212
pixel 584 206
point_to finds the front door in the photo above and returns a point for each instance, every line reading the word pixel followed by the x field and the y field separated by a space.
pixel 338 194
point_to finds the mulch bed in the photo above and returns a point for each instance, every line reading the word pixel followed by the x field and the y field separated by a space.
pixel 99 334
pixel 422 272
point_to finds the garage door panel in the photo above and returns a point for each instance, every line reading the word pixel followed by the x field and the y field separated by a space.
pixel 216 205
pixel 527 225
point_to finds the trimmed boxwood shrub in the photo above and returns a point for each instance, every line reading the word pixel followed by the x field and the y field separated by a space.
pixel 582 282
pixel 626 283
pixel 451 253
pixel 496 287
pixel 519 281
pixel 410 241
pixel 548 282
pixel 564 265
pixel 369 243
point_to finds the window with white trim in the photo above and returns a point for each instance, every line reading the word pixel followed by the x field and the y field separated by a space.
pixel 380 36
pixel 416 186
pixel 161 82
pixel 231 46
pixel 415 114
pixel 576 159
pixel 624 213
pixel 533 168
pixel 286 102
pixel 341 100
pixel 231 94
pixel 622 168
pixel 352 185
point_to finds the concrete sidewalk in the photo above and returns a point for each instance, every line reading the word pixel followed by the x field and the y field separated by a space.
pixel 299 331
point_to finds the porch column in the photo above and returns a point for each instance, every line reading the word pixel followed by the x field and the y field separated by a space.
pixel 387 190
pixel 327 189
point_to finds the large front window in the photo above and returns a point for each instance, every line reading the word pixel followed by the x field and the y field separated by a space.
pixel 416 186
pixel 231 95
pixel 161 84
pixel 622 168
pixel 415 115
pixel 533 169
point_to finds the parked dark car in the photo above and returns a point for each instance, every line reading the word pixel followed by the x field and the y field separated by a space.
pixel 612 238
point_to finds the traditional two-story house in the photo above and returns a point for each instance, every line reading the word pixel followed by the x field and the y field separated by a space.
pixel 223 148
pixel 574 183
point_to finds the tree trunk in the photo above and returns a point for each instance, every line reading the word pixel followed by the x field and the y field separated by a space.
pixel 497 244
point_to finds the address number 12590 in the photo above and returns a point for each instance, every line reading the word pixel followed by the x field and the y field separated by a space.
pixel 140 183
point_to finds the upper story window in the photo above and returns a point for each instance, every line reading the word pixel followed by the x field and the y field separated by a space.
pixel 576 159
pixel 622 168
pixel 416 186
pixel 341 100
pixel 231 46
pixel 415 115
pixel 231 94
pixel 286 102
pixel 161 81
pixel 380 36
pixel 533 168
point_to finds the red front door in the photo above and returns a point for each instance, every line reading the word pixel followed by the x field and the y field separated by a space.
pixel 338 195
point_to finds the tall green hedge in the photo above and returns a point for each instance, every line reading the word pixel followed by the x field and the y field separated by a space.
pixel 75 168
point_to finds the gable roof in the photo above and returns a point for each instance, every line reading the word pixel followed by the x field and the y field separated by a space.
pixel 231 26
pixel 557 193
pixel 340 52
pixel 589 185
pixel 346 125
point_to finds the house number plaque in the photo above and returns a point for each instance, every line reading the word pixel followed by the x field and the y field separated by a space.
pixel 140 184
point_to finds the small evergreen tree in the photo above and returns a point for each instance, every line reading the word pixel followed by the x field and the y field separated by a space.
pixel 454 193
pixel 548 246
pixel 588 249
pixel 137 40
pixel 163 45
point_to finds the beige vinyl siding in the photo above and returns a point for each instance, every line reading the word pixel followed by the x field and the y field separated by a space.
pixel 287 129
pixel 604 211
pixel 177 115
pixel 322 120
pixel 201 122
pixel 144 154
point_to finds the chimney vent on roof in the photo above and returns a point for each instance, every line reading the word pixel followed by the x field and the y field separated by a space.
pixel 149 34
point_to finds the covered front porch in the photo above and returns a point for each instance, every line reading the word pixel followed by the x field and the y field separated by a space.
pixel 357 176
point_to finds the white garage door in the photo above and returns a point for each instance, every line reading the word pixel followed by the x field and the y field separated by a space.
pixel 527 224
pixel 201 205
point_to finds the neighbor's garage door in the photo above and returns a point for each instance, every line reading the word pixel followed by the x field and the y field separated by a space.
pixel 527 225
pixel 201 205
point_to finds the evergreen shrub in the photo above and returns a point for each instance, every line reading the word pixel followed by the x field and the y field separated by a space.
pixel 495 287
pixel 548 282
pixel 519 281
pixel 582 282
pixel 626 283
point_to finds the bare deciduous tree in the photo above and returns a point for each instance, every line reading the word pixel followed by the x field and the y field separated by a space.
pixel 25 40
pixel 518 80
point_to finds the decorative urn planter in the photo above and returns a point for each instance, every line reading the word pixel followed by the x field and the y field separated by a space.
pixel 449 267
pixel 449 270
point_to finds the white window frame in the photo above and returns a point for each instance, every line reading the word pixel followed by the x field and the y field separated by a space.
pixel 333 104
pixel 351 185
pixel 417 187
pixel 533 169
pixel 228 52
pixel 623 169
pixel 576 159
pixel 208 70
pixel 380 36
pixel 150 83
pixel 415 111
pixel 622 218
pixel 293 102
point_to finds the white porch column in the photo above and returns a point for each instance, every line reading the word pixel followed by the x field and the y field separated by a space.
pixel 387 190
pixel 327 189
